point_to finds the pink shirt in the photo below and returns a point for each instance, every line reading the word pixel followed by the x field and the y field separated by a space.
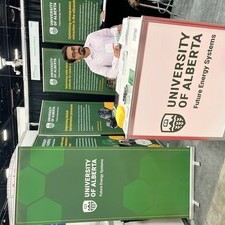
pixel 101 60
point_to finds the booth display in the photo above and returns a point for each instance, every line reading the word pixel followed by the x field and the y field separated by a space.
pixel 62 185
pixel 171 79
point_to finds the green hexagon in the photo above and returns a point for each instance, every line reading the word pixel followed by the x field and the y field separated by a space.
pixel 31 185
pixel 137 196
pixel 154 167
pixel 149 169
pixel 47 161
pixel 44 210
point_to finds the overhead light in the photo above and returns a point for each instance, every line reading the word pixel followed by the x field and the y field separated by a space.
pixel 1 63
pixel 7 172
pixel 5 135
pixel 16 52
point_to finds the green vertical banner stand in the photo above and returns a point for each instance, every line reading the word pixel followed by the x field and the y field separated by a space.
pixel 59 76
pixel 76 141
pixel 60 185
pixel 69 21
pixel 74 118
pixel 91 141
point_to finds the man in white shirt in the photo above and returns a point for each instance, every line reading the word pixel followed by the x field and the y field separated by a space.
pixel 100 51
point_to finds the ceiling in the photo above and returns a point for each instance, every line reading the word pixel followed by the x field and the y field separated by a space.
pixel 11 92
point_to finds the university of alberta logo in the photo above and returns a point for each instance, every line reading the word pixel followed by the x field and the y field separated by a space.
pixel 53 30
pixel 172 122
pixel 89 206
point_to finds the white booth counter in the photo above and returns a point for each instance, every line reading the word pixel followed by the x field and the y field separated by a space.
pixel 145 222
pixel 157 222
pixel 171 79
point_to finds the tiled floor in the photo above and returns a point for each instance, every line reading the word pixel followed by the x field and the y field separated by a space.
pixel 216 213
pixel 210 177
pixel 209 181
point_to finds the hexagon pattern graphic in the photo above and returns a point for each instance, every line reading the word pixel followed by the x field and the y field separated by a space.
pixel 162 186
pixel 48 209
pixel 134 202
pixel 31 191
pixel 45 162
pixel 155 170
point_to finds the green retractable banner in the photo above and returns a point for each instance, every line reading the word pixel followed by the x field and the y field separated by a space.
pixel 59 76
pixel 57 185
pixel 92 141
pixel 75 118
pixel 69 21
pixel 77 141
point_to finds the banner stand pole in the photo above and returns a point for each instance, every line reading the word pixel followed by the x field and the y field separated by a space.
pixel 192 202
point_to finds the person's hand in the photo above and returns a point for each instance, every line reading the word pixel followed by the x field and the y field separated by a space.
pixel 116 50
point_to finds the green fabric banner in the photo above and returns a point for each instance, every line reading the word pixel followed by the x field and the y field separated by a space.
pixel 75 118
pixel 59 76
pixel 57 185
pixel 92 141
pixel 69 21
pixel 76 141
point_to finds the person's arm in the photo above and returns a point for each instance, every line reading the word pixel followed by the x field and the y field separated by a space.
pixel 110 72
pixel 117 27
pixel 109 32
